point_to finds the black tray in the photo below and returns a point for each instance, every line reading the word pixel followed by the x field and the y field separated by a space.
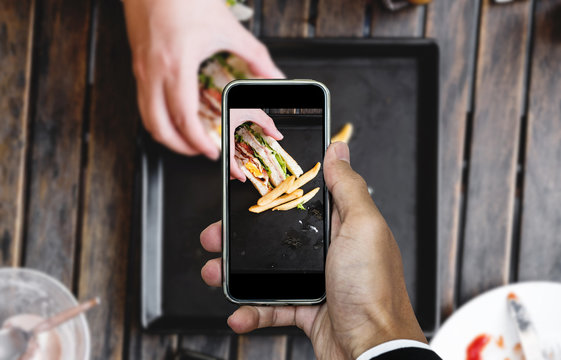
pixel 389 90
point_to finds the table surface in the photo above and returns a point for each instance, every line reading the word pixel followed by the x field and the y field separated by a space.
pixel 69 123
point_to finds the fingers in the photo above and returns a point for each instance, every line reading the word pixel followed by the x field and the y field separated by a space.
pixel 182 98
pixel 249 318
pixel 211 237
pixel 157 122
pixel 256 54
pixel 267 124
pixel 348 188
pixel 211 272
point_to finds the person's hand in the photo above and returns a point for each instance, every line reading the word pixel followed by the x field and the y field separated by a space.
pixel 367 302
pixel 257 116
pixel 169 39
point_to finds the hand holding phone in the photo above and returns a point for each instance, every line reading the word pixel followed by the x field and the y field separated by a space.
pixel 367 302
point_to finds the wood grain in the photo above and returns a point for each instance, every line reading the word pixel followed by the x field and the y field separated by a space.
pixel 453 25
pixel 108 178
pixel 407 22
pixel 262 347
pixel 54 174
pixel 497 118
pixel 151 347
pixel 340 18
pixel 301 348
pixel 285 18
pixel 217 346
pixel 16 35
pixel 540 248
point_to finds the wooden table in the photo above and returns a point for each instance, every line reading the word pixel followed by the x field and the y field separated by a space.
pixel 69 123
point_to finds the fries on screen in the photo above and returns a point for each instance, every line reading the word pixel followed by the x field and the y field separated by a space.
pixel 299 201
pixel 278 191
pixel 278 201
pixel 305 178
pixel 344 134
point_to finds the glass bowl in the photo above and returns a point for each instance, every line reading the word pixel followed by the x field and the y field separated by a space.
pixel 26 291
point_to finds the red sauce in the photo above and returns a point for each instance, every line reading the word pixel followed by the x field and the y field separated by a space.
pixel 475 348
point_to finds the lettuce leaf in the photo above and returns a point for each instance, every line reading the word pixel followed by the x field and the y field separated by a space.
pixel 260 138
pixel 206 81
pixel 281 161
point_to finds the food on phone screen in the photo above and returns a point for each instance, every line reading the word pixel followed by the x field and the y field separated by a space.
pixel 307 177
pixel 214 74
pixel 264 167
pixel 344 134
pixel 299 201
pixel 271 170
pixel 278 201
pixel 276 192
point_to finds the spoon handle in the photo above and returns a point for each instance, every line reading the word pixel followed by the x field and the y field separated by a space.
pixel 64 316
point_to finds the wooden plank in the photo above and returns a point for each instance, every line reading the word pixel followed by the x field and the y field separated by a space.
pixel 108 182
pixel 498 112
pixel 151 346
pixel 301 348
pixel 16 35
pixel 453 25
pixel 340 18
pixel 212 345
pixel 54 174
pixel 285 18
pixel 540 248
pixel 406 22
pixel 259 347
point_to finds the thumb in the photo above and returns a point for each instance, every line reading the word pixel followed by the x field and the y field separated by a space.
pixel 348 188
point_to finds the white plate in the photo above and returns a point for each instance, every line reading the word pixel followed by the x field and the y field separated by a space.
pixel 488 314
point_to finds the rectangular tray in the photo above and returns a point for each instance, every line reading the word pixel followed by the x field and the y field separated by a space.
pixel 388 88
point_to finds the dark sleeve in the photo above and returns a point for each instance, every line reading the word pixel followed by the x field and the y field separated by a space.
pixel 410 353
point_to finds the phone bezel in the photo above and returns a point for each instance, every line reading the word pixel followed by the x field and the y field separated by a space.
pixel 285 102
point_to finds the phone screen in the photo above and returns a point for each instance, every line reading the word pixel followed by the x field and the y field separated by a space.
pixel 277 248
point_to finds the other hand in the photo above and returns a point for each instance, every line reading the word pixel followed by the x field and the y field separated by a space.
pixel 169 39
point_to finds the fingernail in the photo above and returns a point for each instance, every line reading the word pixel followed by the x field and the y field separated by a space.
pixel 342 151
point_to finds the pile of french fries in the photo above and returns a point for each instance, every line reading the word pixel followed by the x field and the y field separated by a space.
pixel 288 194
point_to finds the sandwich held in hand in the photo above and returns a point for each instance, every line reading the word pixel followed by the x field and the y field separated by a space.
pixel 271 170
pixel 214 74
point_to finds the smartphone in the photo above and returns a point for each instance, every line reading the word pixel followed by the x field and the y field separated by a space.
pixel 275 236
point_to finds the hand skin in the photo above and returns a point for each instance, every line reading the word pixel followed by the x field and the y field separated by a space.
pixel 240 116
pixel 367 302
pixel 169 39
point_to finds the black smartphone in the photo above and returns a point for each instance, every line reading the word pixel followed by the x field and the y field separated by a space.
pixel 276 223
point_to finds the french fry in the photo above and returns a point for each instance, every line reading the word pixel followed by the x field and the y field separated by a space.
pixel 278 201
pixel 278 191
pixel 344 134
pixel 294 203
pixel 305 178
